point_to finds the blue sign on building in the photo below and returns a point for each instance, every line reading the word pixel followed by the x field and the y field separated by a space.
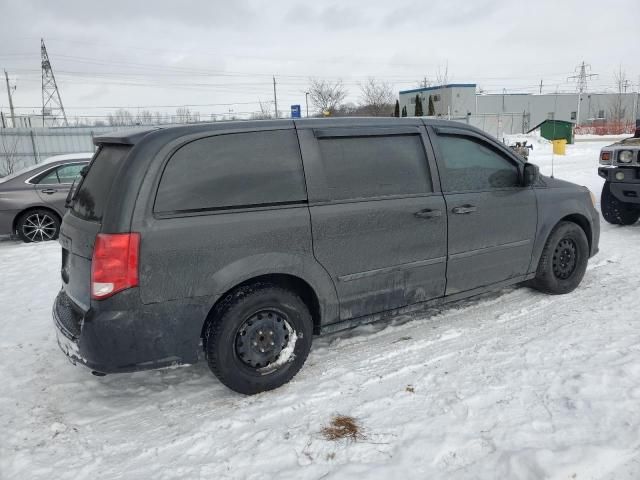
pixel 295 111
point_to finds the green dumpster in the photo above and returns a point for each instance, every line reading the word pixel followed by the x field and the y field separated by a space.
pixel 557 130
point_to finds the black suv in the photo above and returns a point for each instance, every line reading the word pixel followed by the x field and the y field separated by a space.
pixel 245 239
pixel 620 199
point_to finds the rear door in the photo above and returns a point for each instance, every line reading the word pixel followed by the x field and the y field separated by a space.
pixel 379 225
pixel 81 225
pixel 55 185
pixel 492 218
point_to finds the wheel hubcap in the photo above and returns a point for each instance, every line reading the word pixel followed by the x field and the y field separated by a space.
pixel 261 339
pixel 565 258
pixel 39 227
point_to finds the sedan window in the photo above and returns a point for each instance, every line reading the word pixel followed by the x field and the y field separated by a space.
pixel 62 174
pixel 68 173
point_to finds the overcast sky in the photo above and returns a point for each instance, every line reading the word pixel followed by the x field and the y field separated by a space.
pixel 160 54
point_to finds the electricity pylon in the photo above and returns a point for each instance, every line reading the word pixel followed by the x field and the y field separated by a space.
pixel 51 102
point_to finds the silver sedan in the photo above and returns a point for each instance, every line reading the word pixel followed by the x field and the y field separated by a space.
pixel 32 201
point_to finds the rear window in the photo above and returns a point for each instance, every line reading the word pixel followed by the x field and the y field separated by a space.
pixel 233 171
pixel 93 192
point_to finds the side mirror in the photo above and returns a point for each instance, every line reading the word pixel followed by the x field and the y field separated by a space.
pixel 530 174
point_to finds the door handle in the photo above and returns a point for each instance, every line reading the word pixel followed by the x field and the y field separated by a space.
pixel 464 209
pixel 49 191
pixel 428 213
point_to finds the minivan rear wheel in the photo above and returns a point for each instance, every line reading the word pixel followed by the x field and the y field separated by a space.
pixel 258 338
pixel 38 226
pixel 564 260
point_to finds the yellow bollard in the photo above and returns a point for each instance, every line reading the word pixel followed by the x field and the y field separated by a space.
pixel 560 147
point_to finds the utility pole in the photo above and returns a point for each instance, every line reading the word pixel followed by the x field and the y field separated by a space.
pixel 581 77
pixel 540 87
pixel 275 97
pixel 626 84
pixel 636 104
pixel 13 113
pixel 51 101
pixel 306 101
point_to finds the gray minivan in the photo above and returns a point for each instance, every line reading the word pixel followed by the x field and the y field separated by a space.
pixel 244 239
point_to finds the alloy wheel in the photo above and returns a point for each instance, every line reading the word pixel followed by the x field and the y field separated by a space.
pixel 39 227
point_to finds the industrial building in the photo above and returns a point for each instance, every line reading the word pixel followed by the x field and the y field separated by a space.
pixel 524 110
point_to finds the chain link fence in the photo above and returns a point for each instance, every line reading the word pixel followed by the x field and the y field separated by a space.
pixel 22 147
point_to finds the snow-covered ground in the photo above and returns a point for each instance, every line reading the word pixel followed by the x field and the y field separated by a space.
pixel 514 384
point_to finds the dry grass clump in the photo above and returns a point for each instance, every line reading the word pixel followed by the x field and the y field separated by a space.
pixel 342 426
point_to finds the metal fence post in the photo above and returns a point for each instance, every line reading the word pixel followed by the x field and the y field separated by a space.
pixel 36 157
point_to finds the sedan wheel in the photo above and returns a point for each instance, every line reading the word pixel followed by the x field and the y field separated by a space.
pixel 38 226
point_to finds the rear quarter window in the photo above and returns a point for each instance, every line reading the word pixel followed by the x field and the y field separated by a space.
pixel 233 171
pixel 93 192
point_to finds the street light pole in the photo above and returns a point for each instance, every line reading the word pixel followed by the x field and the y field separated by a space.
pixel 275 97
pixel 306 100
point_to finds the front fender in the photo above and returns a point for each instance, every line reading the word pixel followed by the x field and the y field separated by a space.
pixel 564 201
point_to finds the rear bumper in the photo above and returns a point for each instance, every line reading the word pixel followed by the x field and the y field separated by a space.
pixel 119 337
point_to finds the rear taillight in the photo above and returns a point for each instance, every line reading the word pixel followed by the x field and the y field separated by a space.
pixel 114 266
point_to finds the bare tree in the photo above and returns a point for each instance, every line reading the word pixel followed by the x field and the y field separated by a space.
pixel 442 75
pixel 617 111
pixel 264 113
pixel 9 154
pixel 326 96
pixel 144 117
pixel 119 118
pixel 376 97
pixel 184 115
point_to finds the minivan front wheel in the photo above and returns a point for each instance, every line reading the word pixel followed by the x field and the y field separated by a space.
pixel 258 338
pixel 564 260
pixel 38 226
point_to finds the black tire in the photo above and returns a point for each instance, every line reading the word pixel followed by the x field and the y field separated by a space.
pixel 563 261
pixel 231 334
pixel 38 226
pixel 614 211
